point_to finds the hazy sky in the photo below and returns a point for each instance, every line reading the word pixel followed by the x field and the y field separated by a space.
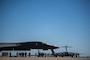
pixel 56 22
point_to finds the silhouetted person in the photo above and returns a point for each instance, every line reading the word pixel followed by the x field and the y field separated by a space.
pixel 29 54
pixel 10 54
pixel 25 54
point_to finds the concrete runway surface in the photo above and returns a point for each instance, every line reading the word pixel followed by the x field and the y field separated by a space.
pixel 42 58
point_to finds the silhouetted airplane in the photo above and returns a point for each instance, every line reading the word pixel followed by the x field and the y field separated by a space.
pixel 27 46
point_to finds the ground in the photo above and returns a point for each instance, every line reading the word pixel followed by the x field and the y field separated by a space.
pixel 42 58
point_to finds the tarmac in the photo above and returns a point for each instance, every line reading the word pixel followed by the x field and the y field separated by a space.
pixel 44 58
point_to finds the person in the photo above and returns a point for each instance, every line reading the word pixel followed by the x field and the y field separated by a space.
pixel 25 54
pixel 29 54
pixel 10 54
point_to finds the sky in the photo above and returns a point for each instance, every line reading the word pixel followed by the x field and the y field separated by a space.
pixel 55 22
